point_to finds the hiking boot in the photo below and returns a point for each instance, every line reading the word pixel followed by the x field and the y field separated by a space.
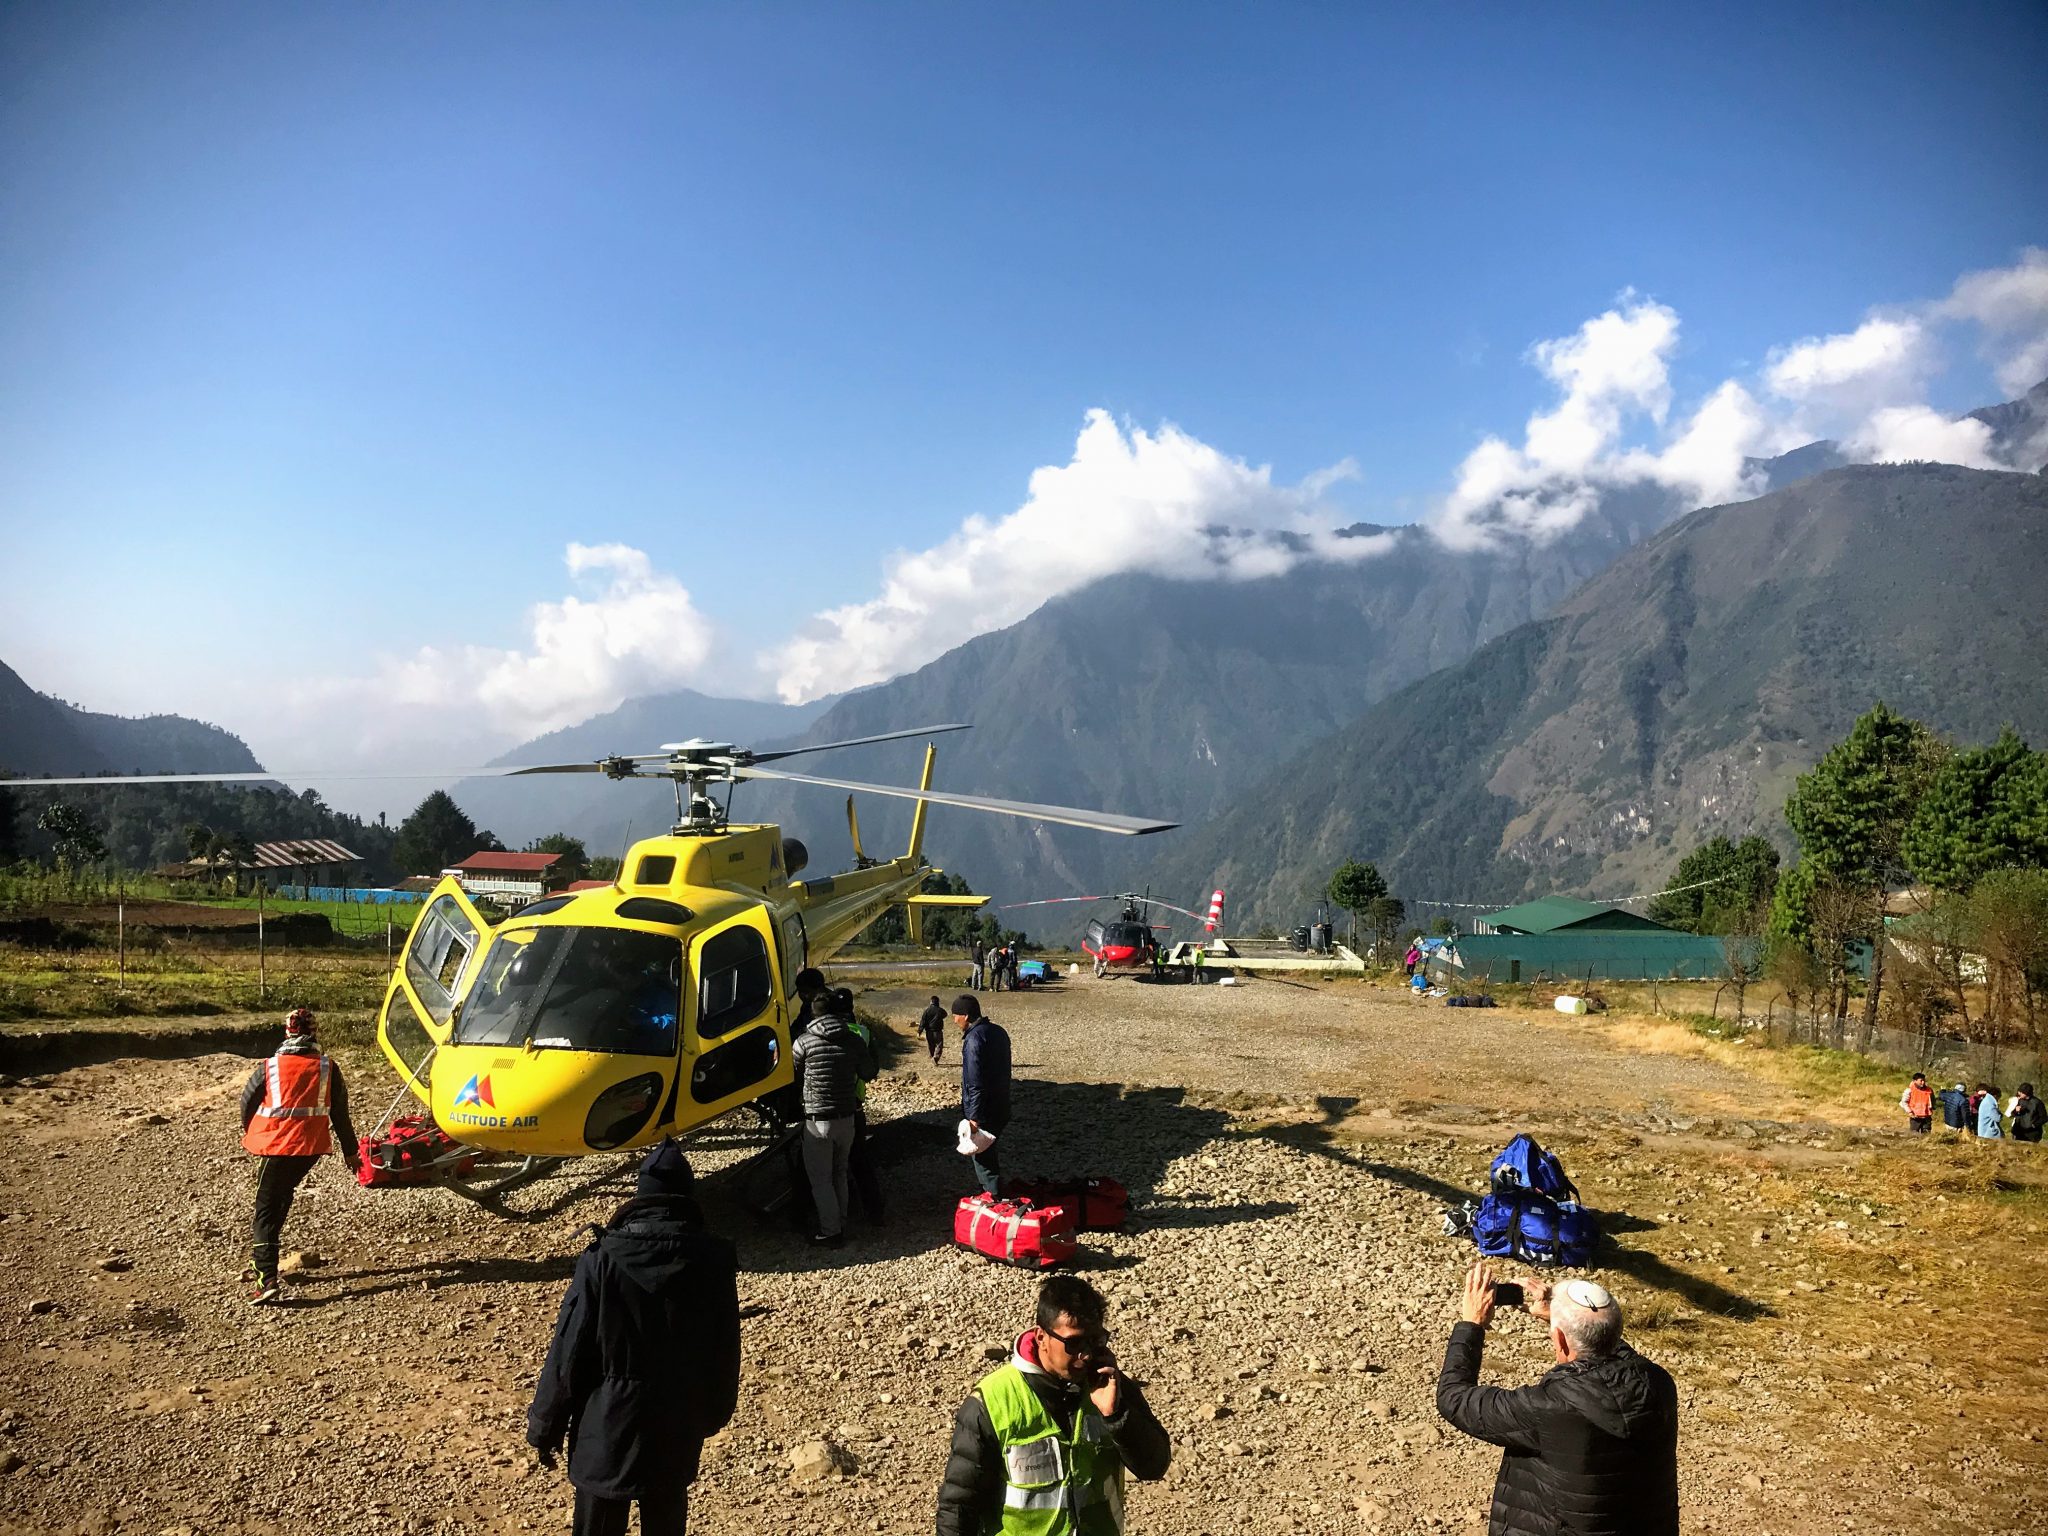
pixel 268 1292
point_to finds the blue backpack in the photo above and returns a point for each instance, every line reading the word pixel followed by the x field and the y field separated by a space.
pixel 1523 1164
pixel 1533 1213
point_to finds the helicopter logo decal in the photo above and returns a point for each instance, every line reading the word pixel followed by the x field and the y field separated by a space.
pixel 476 1091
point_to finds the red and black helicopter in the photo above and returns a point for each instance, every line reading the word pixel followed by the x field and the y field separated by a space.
pixel 1128 943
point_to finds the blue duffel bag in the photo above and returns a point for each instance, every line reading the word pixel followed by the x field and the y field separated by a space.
pixel 1522 1224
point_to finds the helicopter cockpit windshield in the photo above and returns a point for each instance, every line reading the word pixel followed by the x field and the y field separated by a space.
pixel 575 988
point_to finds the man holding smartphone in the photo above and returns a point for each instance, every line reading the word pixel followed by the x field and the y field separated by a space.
pixel 1041 1445
pixel 1593 1445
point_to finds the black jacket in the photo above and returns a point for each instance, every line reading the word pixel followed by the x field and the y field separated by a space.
pixel 985 1076
pixel 1590 1450
pixel 933 1020
pixel 831 1064
pixel 971 1494
pixel 645 1363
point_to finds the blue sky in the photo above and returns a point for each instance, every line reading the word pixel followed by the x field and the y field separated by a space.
pixel 325 329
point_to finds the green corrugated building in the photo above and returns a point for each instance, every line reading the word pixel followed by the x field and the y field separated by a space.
pixel 1560 938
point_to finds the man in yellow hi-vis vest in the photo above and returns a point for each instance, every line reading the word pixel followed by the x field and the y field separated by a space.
pixel 1041 1445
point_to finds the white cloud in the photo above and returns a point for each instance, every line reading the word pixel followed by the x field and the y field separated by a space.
pixel 1612 371
pixel 1884 359
pixel 1899 433
pixel 1128 499
pixel 2011 306
pixel 633 630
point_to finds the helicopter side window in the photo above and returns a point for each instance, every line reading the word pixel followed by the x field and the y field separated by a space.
pixel 578 989
pixel 796 948
pixel 442 942
pixel 735 985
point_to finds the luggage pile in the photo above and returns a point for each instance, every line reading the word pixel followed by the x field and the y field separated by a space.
pixel 411 1150
pixel 1533 1212
pixel 1036 1223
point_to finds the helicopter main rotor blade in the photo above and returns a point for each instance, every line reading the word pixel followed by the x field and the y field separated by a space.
pixel 856 741
pixel 1099 821
pixel 1051 901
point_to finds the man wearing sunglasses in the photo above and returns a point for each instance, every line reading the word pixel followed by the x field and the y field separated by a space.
pixel 1041 1445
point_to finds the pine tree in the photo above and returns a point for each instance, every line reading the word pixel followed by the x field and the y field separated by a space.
pixel 436 835
pixel 1745 877
pixel 1355 887
pixel 1986 809
pixel 1850 812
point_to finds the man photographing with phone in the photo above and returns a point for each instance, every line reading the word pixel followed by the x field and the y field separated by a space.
pixel 1042 1443
pixel 1593 1445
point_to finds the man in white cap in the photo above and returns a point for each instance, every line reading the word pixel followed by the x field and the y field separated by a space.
pixel 1591 1447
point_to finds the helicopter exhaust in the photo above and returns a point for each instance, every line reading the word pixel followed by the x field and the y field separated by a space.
pixel 795 857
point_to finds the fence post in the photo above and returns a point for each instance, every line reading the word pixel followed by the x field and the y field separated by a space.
pixel 262 989
pixel 121 939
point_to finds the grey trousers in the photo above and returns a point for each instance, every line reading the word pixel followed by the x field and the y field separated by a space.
pixel 828 1149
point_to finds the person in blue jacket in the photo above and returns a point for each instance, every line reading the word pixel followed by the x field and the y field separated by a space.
pixel 645 1362
pixel 984 1082
pixel 1955 1107
pixel 1989 1122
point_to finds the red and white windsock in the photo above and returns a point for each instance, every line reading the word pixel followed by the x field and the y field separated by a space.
pixel 1215 912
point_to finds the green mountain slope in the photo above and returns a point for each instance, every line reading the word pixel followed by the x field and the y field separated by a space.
pixel 39 734
pixel 1672 697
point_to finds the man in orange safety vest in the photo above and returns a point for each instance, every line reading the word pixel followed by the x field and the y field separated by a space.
pixel 294 1109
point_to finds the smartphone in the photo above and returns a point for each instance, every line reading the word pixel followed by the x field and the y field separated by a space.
pixel 1507 1293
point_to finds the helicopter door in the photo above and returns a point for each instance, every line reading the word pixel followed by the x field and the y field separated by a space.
pixel 737 1047
pixel 435 973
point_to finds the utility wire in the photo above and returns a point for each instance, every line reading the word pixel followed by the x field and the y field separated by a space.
pixel 1604 901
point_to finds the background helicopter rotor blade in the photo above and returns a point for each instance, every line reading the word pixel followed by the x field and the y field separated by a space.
pixel 855 741
pixel 1099 821
pixel 1051 901
pixel 270 775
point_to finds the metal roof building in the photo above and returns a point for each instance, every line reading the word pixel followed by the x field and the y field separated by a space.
pixel 1565 914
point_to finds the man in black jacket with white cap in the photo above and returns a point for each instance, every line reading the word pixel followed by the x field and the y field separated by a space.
pixel 1592 1448
pixel 645 1363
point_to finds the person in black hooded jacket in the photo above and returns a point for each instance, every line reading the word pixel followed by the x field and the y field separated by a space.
pixel 1592 1448
pixel 645 1363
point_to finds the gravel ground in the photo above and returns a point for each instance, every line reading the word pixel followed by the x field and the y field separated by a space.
pixel 1284 1292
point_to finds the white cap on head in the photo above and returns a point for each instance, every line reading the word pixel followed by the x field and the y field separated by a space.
pixel 1589 1294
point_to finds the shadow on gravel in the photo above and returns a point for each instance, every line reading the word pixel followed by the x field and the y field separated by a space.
pixel 1191 1213
pixel 433 1276
pixel 1648 1269
pixel 1059 1130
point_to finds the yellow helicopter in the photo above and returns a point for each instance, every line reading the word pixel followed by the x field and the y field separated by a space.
pixel 608 1019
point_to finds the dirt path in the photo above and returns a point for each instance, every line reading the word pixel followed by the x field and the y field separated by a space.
pixel 1285 1291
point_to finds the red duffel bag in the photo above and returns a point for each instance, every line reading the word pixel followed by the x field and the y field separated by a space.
pixel 1099 1204
pixel 1015 1231
pixel 411 1150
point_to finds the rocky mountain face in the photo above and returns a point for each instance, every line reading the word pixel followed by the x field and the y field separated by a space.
pixel 2019 429
pixel 42 735
pixel 1674 696
pixel 1174 698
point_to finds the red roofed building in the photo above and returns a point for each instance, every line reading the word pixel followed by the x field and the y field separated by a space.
pixel 510 879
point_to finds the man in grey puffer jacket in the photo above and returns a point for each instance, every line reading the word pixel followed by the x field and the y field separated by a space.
pixel 1592 1448
pixel 831 1063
